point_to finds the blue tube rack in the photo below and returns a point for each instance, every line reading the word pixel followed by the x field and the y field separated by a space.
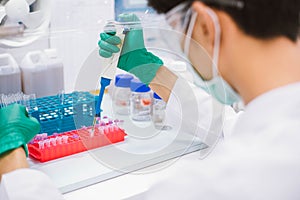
pixel 77 110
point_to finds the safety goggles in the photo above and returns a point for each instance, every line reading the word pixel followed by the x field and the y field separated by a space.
pixel 179 17
pixel 237 4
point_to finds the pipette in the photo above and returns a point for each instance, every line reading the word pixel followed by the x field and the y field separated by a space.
pixel 110 70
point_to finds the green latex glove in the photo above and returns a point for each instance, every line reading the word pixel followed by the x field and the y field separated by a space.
pixel 16 128
pixel 134 57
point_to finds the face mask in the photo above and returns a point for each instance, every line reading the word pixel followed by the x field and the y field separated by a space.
pixel 217 87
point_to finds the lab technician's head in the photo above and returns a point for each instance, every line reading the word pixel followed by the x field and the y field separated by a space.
pixel 240 36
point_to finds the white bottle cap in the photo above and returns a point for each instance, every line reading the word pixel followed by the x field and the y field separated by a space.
pixel 51 53
pixel 178 66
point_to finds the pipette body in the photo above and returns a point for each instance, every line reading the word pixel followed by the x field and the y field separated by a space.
pixel 108 73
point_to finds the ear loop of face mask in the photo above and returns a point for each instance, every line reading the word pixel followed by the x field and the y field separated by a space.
pixel 189 33
pixel 187 42
pixel 216 42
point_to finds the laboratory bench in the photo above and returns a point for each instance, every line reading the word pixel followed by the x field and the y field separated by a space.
pixel 124 169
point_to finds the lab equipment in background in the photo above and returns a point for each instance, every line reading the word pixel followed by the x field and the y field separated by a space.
pixel 42 73
pixel 29 101
pixel 140 101
pixel 6 100
pixel 45 148
pixel 158 112
pixel 121 94
pixel 180 68
pixel 151 22
pixel 138 7
pixel 23 21
pixel 10 75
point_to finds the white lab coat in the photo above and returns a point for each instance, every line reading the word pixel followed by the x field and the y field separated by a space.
pixel 28 184
pixel 200 115
pixel 259 161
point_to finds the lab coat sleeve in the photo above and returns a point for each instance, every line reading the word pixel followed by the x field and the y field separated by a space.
pixel 28 184
pixel 200 114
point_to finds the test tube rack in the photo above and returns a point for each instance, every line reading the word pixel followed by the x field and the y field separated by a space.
pixel 77 110
pixel 45 148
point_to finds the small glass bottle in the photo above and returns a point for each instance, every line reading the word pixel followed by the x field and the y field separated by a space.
pixel 140 101
pixel 159 112
pixel 121 94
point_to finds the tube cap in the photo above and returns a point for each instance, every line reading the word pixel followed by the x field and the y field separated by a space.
pixel 123 80
pixel 137 86
pixel 155 96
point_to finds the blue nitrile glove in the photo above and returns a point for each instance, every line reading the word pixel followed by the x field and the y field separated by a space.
pixel 134 57
pixel 16 128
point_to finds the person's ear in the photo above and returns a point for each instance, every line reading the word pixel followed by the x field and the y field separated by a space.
pixel 204 31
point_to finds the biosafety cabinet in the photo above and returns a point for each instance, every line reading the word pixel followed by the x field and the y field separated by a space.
pixel 53 46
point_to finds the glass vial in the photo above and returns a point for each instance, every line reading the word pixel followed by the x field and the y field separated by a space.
pixel 159 112
pixel 121 94
pixel 140 101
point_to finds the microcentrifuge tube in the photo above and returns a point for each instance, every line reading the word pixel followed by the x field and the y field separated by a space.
pixel 41 144
pixel 65 139
pixel 53 141
pixel 44 136
pixel 91 131
pixel 47 143
pixel 59 140
pixel 101 130
pixel 106 130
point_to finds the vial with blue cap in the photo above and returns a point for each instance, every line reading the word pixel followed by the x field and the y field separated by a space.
pixel 159 111
pixel 121 94
pixel 140 101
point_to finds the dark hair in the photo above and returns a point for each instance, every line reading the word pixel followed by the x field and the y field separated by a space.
pixel 163 6
pixel 265 19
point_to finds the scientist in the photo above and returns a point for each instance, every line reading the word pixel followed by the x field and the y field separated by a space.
pixel 255 49
pixel 17 180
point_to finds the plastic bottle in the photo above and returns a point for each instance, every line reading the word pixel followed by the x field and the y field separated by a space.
pixel 10 75
pixel 121 94
pixel 180 68
pixel 140 101
pixel 42 73
pixel 159 111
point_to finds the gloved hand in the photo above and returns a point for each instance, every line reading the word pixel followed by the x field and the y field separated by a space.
pixel 16 128
pixel 134 57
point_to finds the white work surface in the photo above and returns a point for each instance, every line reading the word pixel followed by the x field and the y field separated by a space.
pixel 124 169
pixel 129 185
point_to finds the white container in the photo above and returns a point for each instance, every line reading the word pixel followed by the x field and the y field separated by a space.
pixel 10 75
pixel 42 73
pixel 180 68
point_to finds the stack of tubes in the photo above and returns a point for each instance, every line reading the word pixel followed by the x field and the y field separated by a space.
pixel 29 101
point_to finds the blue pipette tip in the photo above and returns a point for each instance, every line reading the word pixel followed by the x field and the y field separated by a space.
pixel 104 82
